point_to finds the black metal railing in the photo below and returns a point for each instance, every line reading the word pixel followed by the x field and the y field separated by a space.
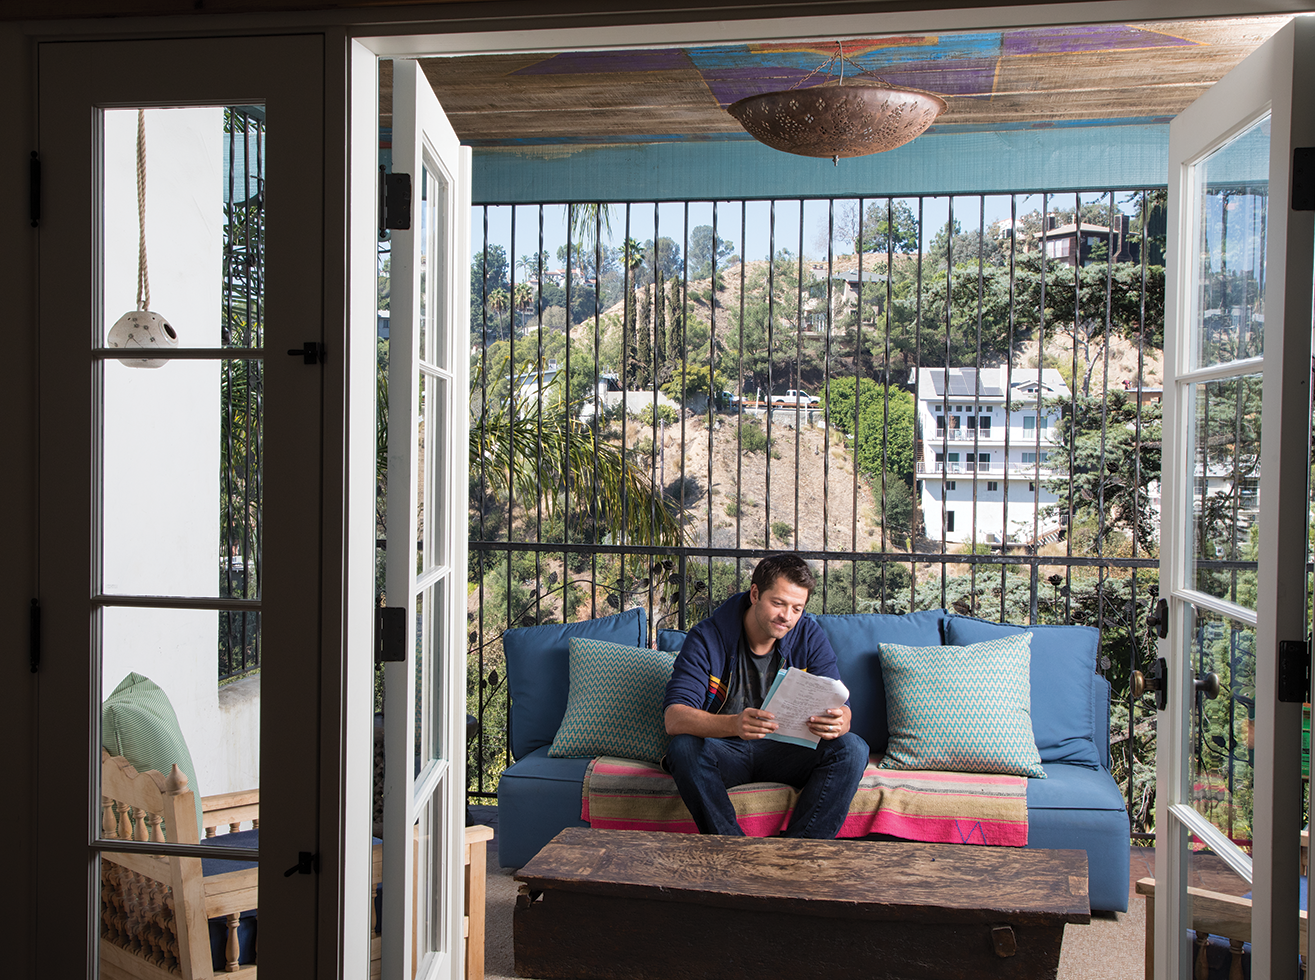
pixel 242 387
pixel 643 424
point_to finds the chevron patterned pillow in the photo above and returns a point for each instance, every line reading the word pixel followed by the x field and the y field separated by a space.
pixel 961 709
pixel 614 704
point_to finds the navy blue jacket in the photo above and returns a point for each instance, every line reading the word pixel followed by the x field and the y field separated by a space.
pixel 700 675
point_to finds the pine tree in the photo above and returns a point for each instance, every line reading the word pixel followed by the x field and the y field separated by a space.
pixel 644 351
pixel 659 332
pixel 676 324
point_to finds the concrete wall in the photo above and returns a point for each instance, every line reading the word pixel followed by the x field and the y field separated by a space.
pixel 161 448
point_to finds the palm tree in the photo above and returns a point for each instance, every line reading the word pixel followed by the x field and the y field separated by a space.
pixel 523 297
pixel 585 221
pixel 537 454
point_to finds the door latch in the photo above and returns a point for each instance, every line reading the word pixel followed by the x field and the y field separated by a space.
pixel 311 352
pixel 307 863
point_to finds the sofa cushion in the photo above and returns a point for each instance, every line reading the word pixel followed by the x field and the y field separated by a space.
pixel 614 704
pixel 538 659
pixel 960 709
pixel 537 798
pixel 1063 680
pixel 671 640
pixel 855 638
pixel 137 722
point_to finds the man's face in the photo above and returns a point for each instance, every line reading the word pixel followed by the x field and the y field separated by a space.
pixel 777 608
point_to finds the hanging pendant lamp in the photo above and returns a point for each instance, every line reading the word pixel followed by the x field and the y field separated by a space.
pixel 838 118
pixel 141 328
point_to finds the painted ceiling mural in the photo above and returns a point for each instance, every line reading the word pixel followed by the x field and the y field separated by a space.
pixel 1033 77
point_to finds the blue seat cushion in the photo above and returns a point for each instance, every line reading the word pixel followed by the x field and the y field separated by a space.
pixel 1064 691
pixel 538 797
pixel 855 639
pixel 670 641
pixel 1079 808
pixel 538 671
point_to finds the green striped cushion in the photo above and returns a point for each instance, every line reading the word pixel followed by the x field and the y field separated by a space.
pixel 138 722
pixel 614 702
pixel 961 709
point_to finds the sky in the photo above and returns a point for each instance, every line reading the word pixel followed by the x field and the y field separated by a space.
pixel 748 226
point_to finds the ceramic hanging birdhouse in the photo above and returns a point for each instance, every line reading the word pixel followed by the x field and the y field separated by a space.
pixel 145 331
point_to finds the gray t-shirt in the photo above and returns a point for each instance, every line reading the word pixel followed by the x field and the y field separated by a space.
pixel 751 678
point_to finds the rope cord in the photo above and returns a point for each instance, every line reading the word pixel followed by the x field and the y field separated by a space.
pixel 143 279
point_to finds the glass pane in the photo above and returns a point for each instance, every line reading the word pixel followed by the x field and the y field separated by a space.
pixel 191 249
pixel 437 470
pixel 430 892
pixel 1232 187
pixel 182 492
pixel 1217 912
pixel 434 312
pixel 422 668
pixel 426 223
pixel 1225 487
pixel 165 702
pixel 422 429
pixel 1221 746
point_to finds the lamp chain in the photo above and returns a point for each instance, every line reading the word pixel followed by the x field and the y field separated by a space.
pixel 143 280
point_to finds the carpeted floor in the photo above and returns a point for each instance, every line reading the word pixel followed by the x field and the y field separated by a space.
pixel 1110 948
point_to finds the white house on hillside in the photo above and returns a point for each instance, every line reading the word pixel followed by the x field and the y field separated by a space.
pixel 984 441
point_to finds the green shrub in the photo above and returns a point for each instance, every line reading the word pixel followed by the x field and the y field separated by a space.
pixel 664 413
pixel 782 531
pixel 732 508
pixel 752 437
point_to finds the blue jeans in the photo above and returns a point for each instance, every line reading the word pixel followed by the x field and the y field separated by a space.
pixel 826 777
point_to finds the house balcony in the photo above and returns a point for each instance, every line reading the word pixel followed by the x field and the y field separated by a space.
pixel 1020 470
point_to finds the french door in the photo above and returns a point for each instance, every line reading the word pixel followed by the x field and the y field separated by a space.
pixel 180 525
pixel 1237 408
pixel 428 388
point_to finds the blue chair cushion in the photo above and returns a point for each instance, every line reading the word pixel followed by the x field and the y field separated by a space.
pixel 1064 691
pixel 538 671
pixel 855 639
pixel 670 641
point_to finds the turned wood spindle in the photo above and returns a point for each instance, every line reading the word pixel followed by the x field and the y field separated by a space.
pixel 231 949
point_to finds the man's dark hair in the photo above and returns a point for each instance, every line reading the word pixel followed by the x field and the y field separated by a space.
pixel 790 567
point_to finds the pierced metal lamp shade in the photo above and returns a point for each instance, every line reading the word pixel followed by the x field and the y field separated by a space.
pixel 838 120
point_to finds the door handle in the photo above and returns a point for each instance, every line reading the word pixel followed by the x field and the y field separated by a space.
pixel 1158 619
pixel 307 863
pixel 1208 685
pixel 1153 680
pixel 312 352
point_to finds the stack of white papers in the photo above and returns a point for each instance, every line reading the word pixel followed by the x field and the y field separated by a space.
pixel 796 696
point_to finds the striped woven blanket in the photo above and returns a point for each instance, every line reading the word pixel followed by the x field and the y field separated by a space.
pixel 937 807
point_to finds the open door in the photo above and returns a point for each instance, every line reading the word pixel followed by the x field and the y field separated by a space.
pixel 1237 416
pixel 428 386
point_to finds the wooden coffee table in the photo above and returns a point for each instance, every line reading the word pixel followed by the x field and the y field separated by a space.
pixel 604 904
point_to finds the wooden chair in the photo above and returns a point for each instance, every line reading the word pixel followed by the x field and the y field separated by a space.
pixel 1213 914
pixel 156 911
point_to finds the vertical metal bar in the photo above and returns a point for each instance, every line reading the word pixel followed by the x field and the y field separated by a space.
pixel 659 468
pixel 826 385
pixel 949 328
pixel 712 375
pixel 974 417
pixel 917 388
pixel 739 410
pixel 598 408
pixel 771 383
pixel 627 301
pixel 566 408
pixel 1073 399
pixel 684 354
pixel 885 394
pixel 858 383
pixel 798 365
pixel 1102 572
pixel 511 405
pixel 540 366
pixel 1008 397
pixel 1040 371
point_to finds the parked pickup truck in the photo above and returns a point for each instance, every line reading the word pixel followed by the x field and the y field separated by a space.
pixel 796 399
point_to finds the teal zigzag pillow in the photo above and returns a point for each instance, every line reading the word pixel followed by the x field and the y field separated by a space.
pixel 961 709
pixel 614 704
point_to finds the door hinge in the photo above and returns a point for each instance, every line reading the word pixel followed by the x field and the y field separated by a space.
pixel 394 201
pixel 1303 178
pixel 34 636
pixel 1294 671
pixel 310 352
pixel 389 634
pixel 34 188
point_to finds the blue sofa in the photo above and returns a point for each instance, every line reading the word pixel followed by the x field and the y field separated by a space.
pixel 1077 805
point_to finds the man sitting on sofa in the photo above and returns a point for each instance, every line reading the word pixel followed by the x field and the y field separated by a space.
pixel 713 708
